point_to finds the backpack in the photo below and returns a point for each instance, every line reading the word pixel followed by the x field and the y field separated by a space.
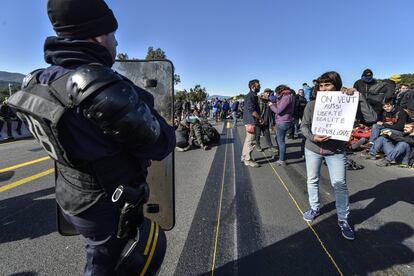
pixel 210 134
pixel 374 93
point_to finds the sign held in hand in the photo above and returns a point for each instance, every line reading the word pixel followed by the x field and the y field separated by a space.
pixel 334 114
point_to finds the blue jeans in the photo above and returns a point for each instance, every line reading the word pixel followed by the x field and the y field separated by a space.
pixel 281 130
pixel 376 130
pixel 393 152
pixel 337 173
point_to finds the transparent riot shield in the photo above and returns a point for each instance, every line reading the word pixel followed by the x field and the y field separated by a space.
pixel 156 76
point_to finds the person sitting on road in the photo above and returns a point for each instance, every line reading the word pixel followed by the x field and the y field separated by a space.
pixel 182 136
pixel 397 148
pixel 196 137
pixel 394 118
pixel 319 147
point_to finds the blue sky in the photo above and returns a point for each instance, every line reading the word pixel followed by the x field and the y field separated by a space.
pixel 222 44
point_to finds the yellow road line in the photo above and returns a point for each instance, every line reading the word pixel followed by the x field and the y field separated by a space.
pixel 154 245
pixel 147 247
pixel 24 164
pixel 219 211
pixel 308 223
pixel 25 180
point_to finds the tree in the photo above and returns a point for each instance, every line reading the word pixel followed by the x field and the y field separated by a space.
pixel 122 56
pixel 181 95
pixel 239 97
pixel 155 54
pixel 407 79
pixel 197 94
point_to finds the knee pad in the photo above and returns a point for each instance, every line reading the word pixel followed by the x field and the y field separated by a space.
pixel 145 254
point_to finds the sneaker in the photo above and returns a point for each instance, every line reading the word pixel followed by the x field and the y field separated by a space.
pixel 251 163
pixel 383 163
pixel 281 163
pixel 310 215
pixel 346 230
pixel 259 148
pixel 403 165
pixel 183 149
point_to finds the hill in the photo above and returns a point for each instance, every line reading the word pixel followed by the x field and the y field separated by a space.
pixel 11 77
pixel 5 84
pixel 218 96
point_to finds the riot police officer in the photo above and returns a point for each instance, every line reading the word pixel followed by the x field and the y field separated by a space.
pixel 102 131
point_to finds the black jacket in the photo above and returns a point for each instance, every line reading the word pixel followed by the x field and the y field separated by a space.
pixel 251 104
pixel 409 139
pixel 376 92
pixel 395 119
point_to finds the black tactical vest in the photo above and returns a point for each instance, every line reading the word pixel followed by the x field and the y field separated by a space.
pixel 41 107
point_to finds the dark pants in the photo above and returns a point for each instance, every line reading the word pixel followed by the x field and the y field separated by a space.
pixel 98 225
pixel 294 127
pixel 8 124
pixel 266 133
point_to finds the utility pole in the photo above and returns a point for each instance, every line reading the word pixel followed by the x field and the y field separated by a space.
pixel 10 85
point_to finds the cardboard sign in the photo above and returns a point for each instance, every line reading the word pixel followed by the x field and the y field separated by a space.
pixel 334 114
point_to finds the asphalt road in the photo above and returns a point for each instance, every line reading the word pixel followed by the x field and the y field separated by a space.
pixel 230 219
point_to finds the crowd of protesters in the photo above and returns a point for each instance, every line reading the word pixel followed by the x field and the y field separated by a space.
pixel 6 118
pixel 384 130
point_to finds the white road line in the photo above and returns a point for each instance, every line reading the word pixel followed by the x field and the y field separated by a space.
pixel 235 248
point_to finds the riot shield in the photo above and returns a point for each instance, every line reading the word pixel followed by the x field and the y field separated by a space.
pixel 156 77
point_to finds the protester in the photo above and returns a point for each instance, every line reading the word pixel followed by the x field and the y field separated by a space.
pixel 375 91
pixel 267 118
pixel 396 148
pixel 308 91
pixel 297 114
pixel 217 109
pixel 283 106
pixel 178 110
pixel 408 103
pixel 401 95
pixel 394 118
pixel 6 115
pixel 251 119
pixel 314 90
pixel 319 147
pixel 226 109
pixel 234 110
pixel 182 136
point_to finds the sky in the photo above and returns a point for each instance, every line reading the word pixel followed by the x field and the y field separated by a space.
pixel 222 44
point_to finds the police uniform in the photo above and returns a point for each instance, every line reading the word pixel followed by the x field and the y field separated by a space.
pixel 102 131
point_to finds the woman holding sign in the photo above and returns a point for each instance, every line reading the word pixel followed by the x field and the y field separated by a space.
pixel 319 147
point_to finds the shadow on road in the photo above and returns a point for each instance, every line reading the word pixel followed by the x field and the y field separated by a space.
pixel 27 216
pixel 384 195
pixel 301 253
pixel 6 176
